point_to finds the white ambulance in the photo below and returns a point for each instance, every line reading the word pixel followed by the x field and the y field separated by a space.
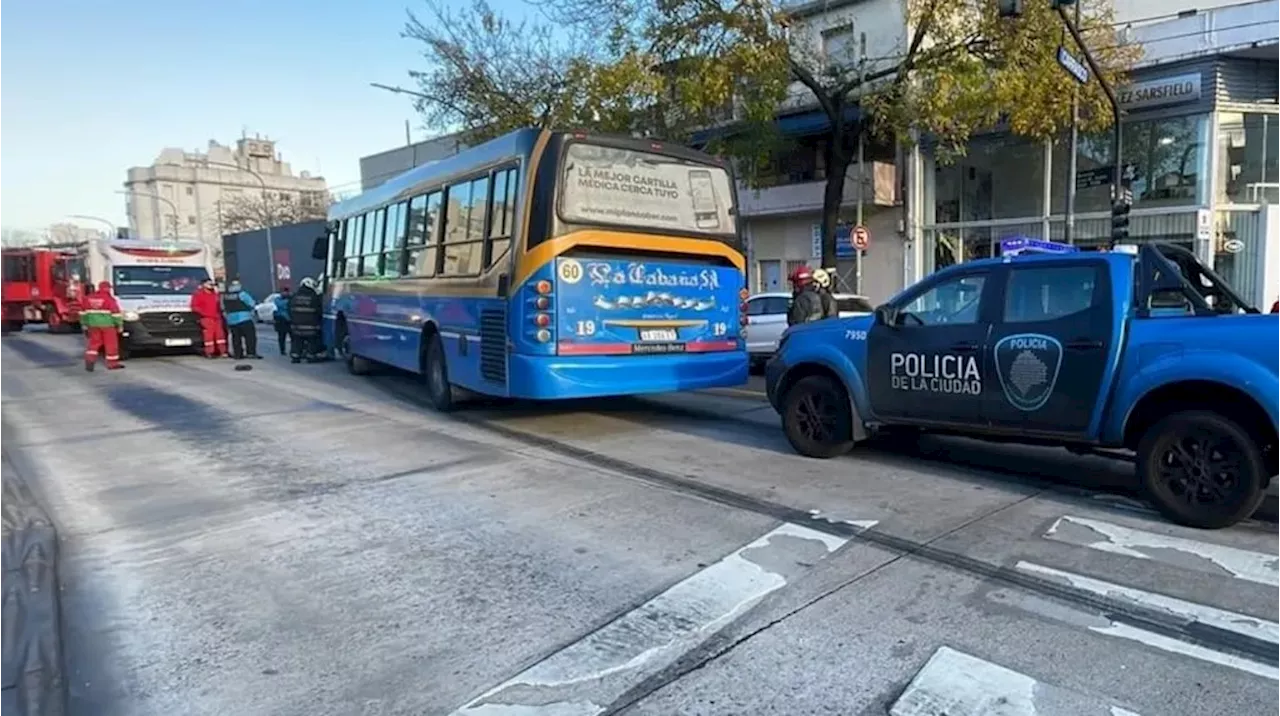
pixel 153 280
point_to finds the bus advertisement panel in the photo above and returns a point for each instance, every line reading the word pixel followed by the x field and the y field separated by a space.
pixel 625 307
pixel 544 265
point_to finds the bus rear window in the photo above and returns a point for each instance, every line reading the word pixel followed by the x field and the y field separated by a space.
pixel 624 187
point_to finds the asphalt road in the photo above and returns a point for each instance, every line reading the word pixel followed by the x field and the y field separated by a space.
pixel 293 539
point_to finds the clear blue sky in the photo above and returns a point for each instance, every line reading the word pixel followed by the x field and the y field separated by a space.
pixel 91 88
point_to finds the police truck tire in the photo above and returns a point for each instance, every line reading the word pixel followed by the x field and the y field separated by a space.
pixel 817 419
pixel 1200 449
pixel 435 371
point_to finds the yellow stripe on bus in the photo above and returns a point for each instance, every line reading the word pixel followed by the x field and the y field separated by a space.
pixel 547 251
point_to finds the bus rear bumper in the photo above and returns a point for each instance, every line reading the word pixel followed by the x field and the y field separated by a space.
pixel 559 377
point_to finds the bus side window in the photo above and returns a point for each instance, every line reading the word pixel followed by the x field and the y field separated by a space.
pixel 337 251
pixel 394 242
pixel 502 213
pixel 424 224
pixel 371 266
pixel 355 227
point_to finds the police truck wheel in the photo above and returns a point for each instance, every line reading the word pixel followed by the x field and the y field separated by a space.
pixel 1201 469
pixel 816 418
pixel 436 372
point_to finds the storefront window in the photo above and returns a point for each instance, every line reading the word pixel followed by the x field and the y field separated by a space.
pixel 1000 177
pixel 1167 156
pixel 1248 149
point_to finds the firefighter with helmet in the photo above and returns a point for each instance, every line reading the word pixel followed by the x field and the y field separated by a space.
pixel 822 279
pixel 806 303
pixel 102 321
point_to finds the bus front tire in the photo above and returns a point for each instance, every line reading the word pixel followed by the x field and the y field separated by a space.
pixel 436 372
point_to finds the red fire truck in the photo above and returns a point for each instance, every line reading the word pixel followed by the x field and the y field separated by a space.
pixel 42 285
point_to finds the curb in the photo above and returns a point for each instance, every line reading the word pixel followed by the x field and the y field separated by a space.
pixel 33 680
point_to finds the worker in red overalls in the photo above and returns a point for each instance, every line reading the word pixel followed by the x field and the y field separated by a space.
pixel 207 304
pixel 101 320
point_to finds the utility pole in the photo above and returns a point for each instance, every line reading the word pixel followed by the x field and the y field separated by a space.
pixel 862 177
pixel 1117 179
pixel 1068 227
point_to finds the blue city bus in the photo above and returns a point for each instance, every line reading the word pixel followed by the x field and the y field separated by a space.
pixel 544 265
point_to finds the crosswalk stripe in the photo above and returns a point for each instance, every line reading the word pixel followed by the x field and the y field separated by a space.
pixel 585 677
pixel 1185 553
pixel 1177 646
pixel 1241 624
pixel 953 682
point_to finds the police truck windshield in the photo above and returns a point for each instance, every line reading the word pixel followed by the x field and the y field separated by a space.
pixel 157 280
pixel 624 187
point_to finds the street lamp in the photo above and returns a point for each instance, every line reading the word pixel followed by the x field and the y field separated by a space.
pixel 266 203
pixel 87 217
pixel 161 198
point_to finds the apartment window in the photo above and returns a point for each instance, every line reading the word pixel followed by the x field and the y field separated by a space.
pixel 839 46
pixel 191 220
pixel 190 191
pixel 502 214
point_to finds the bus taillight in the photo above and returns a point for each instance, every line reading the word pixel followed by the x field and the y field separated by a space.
pixel 542 320
pixel 542 303
pixel 543 287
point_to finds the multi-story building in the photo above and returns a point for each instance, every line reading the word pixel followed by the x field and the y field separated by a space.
pixel 1199 135
pixel 377 168
pixel 203 195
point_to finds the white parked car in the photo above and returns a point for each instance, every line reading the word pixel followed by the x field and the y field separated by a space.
pixel 767 319
pixel 265 312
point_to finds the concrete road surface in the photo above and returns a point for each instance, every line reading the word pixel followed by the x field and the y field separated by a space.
pixel 295 540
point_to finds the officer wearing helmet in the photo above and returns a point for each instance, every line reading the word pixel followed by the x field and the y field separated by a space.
pixel 822 280
pixel 806 303
pixel 304 322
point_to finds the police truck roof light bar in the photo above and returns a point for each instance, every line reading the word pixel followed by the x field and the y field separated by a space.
pixel 1019 245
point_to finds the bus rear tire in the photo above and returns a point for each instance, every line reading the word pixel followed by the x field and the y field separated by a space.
pixel 436 374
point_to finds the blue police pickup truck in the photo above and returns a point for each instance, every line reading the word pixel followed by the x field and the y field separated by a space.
pixel 1139 348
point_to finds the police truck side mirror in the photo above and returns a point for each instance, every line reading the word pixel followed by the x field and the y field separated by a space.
pixel 320 248
pixel 886 315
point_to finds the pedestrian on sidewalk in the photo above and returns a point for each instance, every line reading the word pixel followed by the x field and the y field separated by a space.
pixel 304 317
pixel 102 321
pixel 207 306
pixel 281 317
pixel 237 305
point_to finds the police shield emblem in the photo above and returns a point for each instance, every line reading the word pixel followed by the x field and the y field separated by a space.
pixel 1027 365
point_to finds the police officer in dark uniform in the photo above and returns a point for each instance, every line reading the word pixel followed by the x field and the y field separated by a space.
pixel 822 280
pixel 304 327
pixel 806 304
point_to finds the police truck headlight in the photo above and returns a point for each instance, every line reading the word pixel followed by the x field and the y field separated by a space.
pixel 132 316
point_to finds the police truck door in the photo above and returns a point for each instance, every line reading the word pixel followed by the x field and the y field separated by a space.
pixel 928 367
pixel 1049 346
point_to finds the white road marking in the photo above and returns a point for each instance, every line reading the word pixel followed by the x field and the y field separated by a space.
pixel 1202 556
pixel 1176 646
pixel 864 525
pixel 1230 621
pixel 954 683
pixel 1241 624
pixel 585 677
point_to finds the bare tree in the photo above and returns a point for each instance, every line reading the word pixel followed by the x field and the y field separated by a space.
pixel 250 212
pixel 487 75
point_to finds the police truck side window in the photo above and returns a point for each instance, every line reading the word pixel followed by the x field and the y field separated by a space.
pixel 951 303
pixel 1048 293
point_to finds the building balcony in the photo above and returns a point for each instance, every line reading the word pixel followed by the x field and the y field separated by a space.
pixel 880 188
pixel 1248 29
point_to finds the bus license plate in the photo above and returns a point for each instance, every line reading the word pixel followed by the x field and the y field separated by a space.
pixel 658 334
pixel 175 342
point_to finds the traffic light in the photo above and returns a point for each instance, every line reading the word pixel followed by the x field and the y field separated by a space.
pixel 1009 8
pixel 1120 217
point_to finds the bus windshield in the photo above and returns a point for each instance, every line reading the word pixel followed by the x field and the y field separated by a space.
pixel 157 280
pixel 624 187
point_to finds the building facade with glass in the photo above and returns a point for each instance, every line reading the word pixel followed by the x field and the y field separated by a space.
pixel 1200 136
